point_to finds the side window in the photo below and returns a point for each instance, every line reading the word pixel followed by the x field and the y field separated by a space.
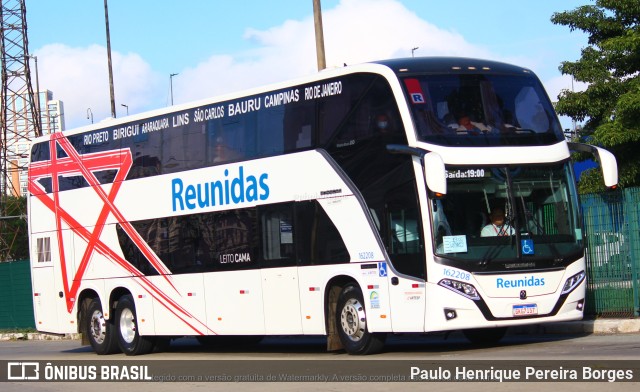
pixel 299 125
pixel 234 139
pixel 283 125
pixel 234 245
pixel 40 152
pixel 366 111
pixel 405 242
pixel 319 241
pixel 66 183
pixel 152 233
pixel 529 111
pixel 219 241
pixel 70 181
pixel 43 249
pixel 182 147
pixel 270 135
pixel 299 233
pixel 277 232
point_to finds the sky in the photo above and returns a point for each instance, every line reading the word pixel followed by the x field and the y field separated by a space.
pixel 221 46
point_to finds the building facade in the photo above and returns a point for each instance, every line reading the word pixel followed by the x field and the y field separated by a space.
pixel 20 131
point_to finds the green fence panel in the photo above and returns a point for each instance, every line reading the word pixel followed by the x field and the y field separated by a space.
pixel 16 304
pixel 612 239
pixel 632 219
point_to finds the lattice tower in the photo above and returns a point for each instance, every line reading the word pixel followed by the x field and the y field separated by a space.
pixel 19 113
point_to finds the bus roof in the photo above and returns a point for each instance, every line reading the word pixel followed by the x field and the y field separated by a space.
pixel 411 65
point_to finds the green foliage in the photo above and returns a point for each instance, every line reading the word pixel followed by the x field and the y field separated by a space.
pixel 610 65
pixel 14 239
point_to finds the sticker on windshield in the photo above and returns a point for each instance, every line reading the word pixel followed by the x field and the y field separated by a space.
pixel 415 91
pixel 454 243
pixel 527 247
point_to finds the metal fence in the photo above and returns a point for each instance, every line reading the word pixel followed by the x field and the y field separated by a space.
pixel 612 234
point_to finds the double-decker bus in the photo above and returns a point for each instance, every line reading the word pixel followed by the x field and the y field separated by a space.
pixel 348 204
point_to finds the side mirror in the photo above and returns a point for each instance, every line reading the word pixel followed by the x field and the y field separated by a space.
pixel 435 174
pixel 607 161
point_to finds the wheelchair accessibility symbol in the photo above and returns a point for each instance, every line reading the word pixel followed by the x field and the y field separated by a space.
pixel 382 269
pixel 527 247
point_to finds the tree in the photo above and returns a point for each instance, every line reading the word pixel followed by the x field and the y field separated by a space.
pixel 610 65
pixel 14 239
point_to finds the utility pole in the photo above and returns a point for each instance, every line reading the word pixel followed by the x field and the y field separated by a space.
pixel 317 18
pixel 113 99
pixel 38 111
pixel 171 85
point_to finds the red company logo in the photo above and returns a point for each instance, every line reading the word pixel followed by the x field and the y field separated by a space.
pixel 66 161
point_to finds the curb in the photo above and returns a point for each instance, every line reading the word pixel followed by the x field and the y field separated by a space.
pixel 37 336
pixel 598 327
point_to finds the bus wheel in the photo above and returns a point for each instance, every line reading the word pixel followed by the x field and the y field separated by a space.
pixel 485 336
pixel 129 339
pixel 351 323
pixel 101 332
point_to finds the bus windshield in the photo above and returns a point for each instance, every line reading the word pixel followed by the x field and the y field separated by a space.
pixel 482 110
pixel 508 217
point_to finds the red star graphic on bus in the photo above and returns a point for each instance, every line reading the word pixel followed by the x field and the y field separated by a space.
pixel 87 165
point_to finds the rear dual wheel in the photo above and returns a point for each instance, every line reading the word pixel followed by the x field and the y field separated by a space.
pixel 100 331
pixel 129 339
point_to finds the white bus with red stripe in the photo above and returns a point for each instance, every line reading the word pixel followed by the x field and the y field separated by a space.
pixel 347 204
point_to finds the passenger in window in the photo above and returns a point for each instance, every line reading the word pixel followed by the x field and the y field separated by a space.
pixel 382 124
pixel 385 131
pixel 497 226
pixel 473 128
pixel 450 121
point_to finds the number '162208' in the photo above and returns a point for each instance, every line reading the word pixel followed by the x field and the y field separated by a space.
pixel 455 274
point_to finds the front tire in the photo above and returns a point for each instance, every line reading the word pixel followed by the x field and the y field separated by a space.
pixel 351 323
pixel 129 339
pixel 100 331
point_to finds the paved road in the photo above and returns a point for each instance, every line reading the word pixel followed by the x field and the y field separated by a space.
pixel 408 349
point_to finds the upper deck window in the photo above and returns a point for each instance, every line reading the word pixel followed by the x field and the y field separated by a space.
pixel 481 110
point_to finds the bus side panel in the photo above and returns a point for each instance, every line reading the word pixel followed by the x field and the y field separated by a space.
pixel 41 218
pixel 407 303
pixel 234 302
pixel 281 298
pixel 50 302
pixel 313 280
pixel 179 306
pixel 46 302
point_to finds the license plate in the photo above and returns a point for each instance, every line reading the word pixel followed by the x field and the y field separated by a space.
pixel 525 310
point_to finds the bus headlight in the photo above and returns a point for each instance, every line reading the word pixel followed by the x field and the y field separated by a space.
pixel 464 289
pixel 573 282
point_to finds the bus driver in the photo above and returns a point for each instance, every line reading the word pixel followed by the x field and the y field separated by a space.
pixel 497 226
